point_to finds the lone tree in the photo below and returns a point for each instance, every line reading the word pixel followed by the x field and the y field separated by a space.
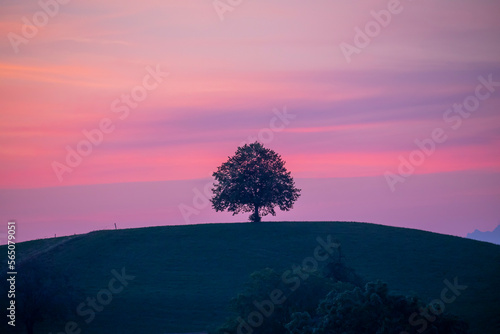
pixel 254 180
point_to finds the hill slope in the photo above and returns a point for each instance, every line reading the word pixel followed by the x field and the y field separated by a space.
pixel 186 275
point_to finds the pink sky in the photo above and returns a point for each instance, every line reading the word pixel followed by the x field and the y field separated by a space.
pixel 351 120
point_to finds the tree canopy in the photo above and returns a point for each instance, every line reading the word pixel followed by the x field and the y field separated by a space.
pixel 322 304
pixel 254 180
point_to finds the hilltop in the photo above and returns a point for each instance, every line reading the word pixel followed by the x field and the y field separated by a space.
pixel 186 275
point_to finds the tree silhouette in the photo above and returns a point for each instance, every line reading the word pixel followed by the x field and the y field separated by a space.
pixel 254 180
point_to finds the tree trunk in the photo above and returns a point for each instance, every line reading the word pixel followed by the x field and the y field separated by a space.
pixel 256 215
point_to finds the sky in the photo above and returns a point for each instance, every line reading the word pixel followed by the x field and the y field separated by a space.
pixel 119 111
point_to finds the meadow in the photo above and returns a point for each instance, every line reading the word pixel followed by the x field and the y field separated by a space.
pixel 185 276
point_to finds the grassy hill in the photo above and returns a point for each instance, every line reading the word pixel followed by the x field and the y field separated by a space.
pixel 186 275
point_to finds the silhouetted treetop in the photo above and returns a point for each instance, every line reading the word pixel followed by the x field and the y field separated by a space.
pixel 254 180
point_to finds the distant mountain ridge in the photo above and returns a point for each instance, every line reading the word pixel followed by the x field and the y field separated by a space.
pixel 488 236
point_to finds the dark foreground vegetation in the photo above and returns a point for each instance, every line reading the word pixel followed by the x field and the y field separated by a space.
pixel 333 300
